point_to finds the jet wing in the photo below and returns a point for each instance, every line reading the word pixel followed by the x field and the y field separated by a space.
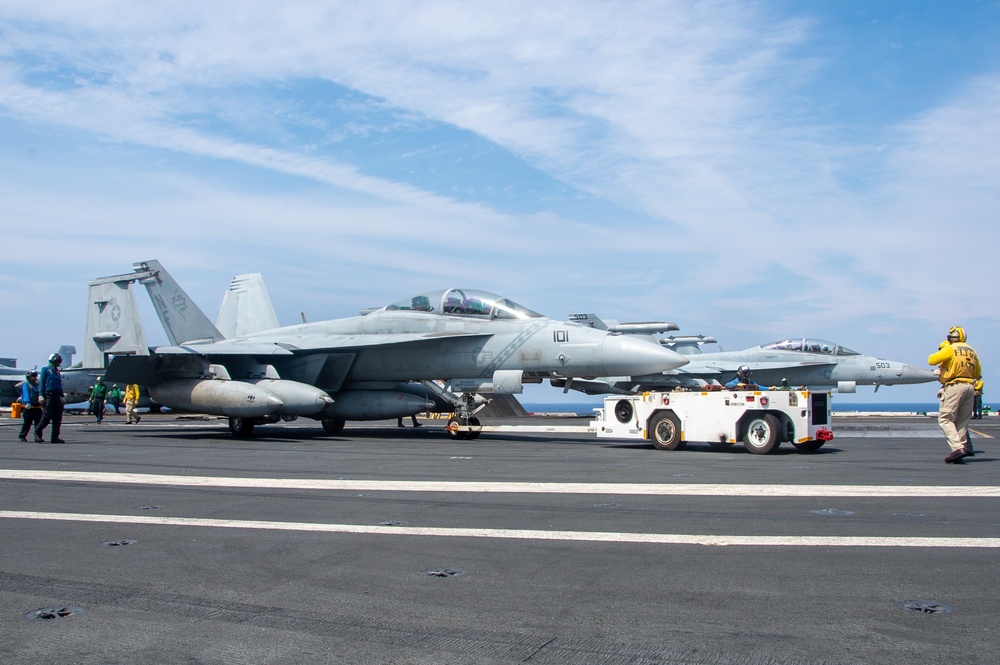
pixel 702 370
pixel 695 368
pixel 325 359
pixel 310 343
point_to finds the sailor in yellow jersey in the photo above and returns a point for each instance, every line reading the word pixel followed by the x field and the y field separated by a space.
pixel 977 400
pixel 959 371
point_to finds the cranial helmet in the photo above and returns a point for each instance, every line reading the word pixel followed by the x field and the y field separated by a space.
pixel 743 372
pixel 55 359
pixel 957 333
pixel 30 374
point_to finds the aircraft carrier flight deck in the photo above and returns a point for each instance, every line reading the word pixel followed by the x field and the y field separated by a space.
pixel 171 541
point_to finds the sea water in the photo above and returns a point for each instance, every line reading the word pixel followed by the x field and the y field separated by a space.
pixel 587 408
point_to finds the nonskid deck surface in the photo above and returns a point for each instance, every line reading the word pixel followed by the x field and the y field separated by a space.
pixel 172 541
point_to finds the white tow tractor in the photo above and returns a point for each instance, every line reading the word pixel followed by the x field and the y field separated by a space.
pixel 761 419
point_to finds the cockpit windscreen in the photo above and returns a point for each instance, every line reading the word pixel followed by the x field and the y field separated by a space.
pixel 465 302
pixel 810 346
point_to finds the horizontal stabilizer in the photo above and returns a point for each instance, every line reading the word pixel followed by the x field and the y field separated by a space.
pixel 153 369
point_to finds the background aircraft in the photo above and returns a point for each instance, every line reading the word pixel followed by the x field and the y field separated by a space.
pixel 12 376
pixel 813 363
pixel 348 369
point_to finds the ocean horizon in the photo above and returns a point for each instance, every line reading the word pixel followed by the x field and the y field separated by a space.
pixel 586 408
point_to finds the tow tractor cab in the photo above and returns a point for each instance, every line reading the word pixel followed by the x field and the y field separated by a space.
pixel 761 419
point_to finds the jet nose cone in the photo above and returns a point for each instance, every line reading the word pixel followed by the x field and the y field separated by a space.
pixel 627 355
pixel 911 374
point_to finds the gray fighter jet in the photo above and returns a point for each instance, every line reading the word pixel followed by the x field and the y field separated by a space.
pixel 811 363
pixel 348 369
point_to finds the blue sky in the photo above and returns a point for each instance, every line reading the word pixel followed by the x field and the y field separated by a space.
pixel 749 170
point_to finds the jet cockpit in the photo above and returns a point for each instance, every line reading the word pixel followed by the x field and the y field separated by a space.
pixel 464 302
pixel 810 346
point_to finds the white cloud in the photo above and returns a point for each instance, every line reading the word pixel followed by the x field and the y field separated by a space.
pixel 687 122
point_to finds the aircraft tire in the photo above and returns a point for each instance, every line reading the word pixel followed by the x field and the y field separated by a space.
pixel 474 422
pixel 761 436
pixel 665 431
pixel 808 446
pixel 241 427
pixel 459 435
pixel 333 425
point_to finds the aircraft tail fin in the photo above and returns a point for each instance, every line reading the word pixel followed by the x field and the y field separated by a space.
pixel 182 320
pixel 246 307
pixel 113 324
pixel 67 352
pixel 611 325
pixel 589 320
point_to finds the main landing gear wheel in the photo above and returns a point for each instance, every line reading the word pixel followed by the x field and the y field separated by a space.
pixel 665 431
pixel 241 427
pixel 333 425
pixel 462 435
pixel 808 446
pixel 762 435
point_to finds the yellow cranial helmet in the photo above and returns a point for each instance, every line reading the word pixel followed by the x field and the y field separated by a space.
pixel 957 333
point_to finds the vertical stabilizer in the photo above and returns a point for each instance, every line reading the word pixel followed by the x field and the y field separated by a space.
pixel 113 324
pixel 67 352
pixel 182 320
pixel 589 320
pixel 246 307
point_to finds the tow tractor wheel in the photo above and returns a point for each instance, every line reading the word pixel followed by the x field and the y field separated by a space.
pixel 762 435
pixel 808 446
pixel 241 427
pixel 333 425
pixel 624 410
pixel 665 431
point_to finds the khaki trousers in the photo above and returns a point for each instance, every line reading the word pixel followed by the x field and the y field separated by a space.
pixel 130 410
pixel 955 412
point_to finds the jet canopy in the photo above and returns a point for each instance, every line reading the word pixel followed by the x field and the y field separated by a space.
pixel 809 346
pixel 464 302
